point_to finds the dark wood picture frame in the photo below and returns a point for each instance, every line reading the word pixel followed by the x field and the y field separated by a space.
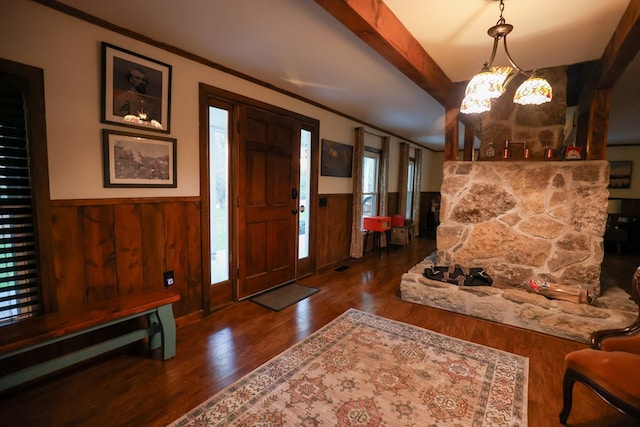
pixel 136 90
pixel 336 159
pixel 138 161
pixel 620 173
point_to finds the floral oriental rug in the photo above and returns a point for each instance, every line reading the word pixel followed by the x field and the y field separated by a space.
pixel 365 370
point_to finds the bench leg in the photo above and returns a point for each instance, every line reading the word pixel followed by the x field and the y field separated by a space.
pixel 166 338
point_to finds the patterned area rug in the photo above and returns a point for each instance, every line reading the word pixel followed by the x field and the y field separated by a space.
pixel 365 370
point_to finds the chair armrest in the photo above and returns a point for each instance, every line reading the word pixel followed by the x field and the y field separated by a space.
pixel 599 336
pixel 628 344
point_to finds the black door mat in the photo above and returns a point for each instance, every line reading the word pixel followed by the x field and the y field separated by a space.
pixel 284 296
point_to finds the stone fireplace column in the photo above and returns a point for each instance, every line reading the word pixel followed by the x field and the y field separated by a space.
pixel 525 219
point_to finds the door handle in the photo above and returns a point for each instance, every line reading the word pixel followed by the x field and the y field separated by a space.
pixel 294 211
pixel 294 193
pixel 301 208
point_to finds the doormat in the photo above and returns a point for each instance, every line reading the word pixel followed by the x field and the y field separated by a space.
pixel 341 268
pixel 284 296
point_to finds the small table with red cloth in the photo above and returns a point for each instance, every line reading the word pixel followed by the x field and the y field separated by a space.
pixel 377 224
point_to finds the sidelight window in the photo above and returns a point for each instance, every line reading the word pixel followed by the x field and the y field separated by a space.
pixel 219 193
pixel 304 194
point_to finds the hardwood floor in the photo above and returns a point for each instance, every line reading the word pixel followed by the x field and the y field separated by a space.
pixel 127 389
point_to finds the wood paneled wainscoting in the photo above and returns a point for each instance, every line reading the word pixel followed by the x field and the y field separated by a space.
pixel 108 247
pixel 335 214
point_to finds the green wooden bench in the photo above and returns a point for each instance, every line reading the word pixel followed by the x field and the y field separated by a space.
pixel 39 331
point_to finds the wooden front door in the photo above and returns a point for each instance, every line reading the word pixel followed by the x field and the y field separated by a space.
pixel 268 170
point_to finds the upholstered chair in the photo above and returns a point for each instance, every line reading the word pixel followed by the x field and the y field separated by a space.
pixel 611 367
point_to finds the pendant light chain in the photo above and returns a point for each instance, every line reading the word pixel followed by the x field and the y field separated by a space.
pixel 501 20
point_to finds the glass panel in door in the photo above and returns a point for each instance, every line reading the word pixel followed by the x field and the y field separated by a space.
pixel 219 193
pixel 304 194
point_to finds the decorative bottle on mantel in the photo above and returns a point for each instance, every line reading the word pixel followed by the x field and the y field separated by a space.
pixel 506 153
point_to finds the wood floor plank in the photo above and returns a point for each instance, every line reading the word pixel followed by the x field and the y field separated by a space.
pixel 128 389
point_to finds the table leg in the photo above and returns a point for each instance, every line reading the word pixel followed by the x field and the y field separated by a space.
pixel 364 248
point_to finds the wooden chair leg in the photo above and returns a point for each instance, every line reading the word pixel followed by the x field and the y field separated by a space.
pixel 567 395
pixel 571 376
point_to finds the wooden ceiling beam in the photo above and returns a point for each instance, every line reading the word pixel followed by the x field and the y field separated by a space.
pixel 595 97
pixel 374 23
pixel 623 46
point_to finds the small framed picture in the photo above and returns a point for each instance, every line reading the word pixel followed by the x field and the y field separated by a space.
pixel 620 174
pixel 138 161
pixel 336 159
pixel 136 90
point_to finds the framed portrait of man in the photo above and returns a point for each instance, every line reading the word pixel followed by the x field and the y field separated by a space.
pixel 136 90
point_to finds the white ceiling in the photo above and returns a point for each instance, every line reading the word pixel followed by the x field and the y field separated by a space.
pixel 297 46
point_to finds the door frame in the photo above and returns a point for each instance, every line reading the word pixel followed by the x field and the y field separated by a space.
pixel 219 295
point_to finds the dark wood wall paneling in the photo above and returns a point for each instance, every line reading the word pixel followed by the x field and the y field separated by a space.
pixel 104 248
pixel 392 203
pixel 630 207
pixel 427 219
pixel 334 229
pixel 108 247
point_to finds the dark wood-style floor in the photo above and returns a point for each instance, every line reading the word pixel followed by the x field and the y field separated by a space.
pixel 127 389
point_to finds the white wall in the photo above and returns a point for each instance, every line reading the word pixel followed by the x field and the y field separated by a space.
pixel 68 50
pixel 433 181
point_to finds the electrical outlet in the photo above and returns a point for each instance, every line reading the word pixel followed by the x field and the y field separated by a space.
pixel 168 278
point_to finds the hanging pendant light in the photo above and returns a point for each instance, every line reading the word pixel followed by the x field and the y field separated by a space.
pixel 489 83
pixel 533 91
pixel 492 81
pixel 471 105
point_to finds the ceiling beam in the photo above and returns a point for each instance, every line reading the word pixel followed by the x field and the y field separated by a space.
pixel 376 25
pixel 623 46
pixel 595 97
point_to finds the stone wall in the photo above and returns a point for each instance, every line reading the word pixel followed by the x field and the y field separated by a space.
pixel 525 219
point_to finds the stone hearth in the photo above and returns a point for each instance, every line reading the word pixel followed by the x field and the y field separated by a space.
pixel 516 307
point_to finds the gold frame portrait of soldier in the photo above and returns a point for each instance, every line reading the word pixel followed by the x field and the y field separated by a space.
pixel 136 90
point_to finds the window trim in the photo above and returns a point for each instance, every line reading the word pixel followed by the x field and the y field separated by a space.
pixel 31 81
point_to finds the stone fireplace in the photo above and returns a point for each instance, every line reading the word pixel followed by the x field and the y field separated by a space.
pixel 521 220
pixel 525 219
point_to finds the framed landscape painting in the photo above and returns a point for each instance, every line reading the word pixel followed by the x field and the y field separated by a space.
pixel 620 174
pixel 140 161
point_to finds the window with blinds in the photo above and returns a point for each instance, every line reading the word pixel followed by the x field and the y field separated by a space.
pixel 19 283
